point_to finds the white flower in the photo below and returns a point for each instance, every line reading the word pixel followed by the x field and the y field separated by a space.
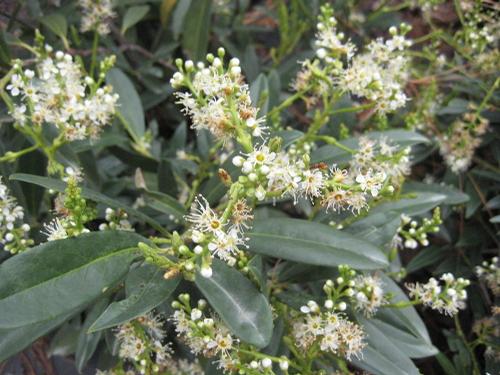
pixel 54 230
pixel 96 15
pixel 206 271
pixel 447 298
pixel 205 220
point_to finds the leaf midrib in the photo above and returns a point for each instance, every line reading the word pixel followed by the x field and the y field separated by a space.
pixel 294 239
pixel 235 303
pixel 61 276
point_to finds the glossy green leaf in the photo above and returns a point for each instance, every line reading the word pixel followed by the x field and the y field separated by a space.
pixel 87 342
pixel 164 203
pixel 383 357
pixel 146 289
pixel 313 243
pixel 238 302
pixel 419 203
pixel 15 340
pixel 426 257
pixel 453 195
pixel 129 104
pixel 58 185
pixel 58 277
pixel 411 346
pixel 56 23
pixel 407 317
pixel 166 8
pixel 133 16
pixel 259 93
pixel 378 229
pixel 196 29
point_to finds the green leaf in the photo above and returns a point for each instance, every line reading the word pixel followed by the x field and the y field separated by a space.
pixel 55 278
pixel 378 229
pixel 197 29
pixel 164 203
pixel 238 302
pixel 133 15
pixel 129 105
pixel 166 8
pixel 411 346
pixel 420 203
pixel 406 318
pixel 259 93
pixel 56 23
pixel 426 257
pixel 4 49
pixel 146 289
pixel 15 340
pixel 313 243
pixel 383 357
pixel 64 341
pixel 58 185
pixel 453 195
pixel 87 342
pixel 446 364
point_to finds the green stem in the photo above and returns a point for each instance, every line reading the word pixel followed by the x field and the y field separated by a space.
pixel 460 332
pixel 286 103
pixel 11 156
pixel 488 96
pixel 333 141
pixel 95 44
pixel 402 304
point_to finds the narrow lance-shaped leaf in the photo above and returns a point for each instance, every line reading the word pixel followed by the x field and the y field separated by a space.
pixel 58 185
pixel 146 289
pixel 55 278
pixel 238 302
pixel 313 243
pixel 130 106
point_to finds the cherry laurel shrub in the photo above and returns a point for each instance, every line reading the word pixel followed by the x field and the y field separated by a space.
pixel 250 187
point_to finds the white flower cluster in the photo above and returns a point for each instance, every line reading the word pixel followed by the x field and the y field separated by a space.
pixel 217 100
pixel 58 93
pixel 141 340
pixel 210 337
pixel 478 31
pixel 96 15
pixel 447 297
pixel 329 43
pixel 416 234
pixel 214 236
pixel 116 220
pixel 490 272
pixel 270 174
pixel 13 233
pixel 379 74
pixel 277 174
pixel 369 295
pixel 463 138
pixel 382 157
pixel 333 331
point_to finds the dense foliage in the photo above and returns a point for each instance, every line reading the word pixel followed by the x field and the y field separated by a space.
pixel 250 187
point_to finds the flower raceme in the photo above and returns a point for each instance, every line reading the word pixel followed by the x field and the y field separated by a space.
pixel 378 75
pixel 13 232
pixel 447 297
pixel 58 92
pixel 278 174
pixel 96 15
pixel 217 98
